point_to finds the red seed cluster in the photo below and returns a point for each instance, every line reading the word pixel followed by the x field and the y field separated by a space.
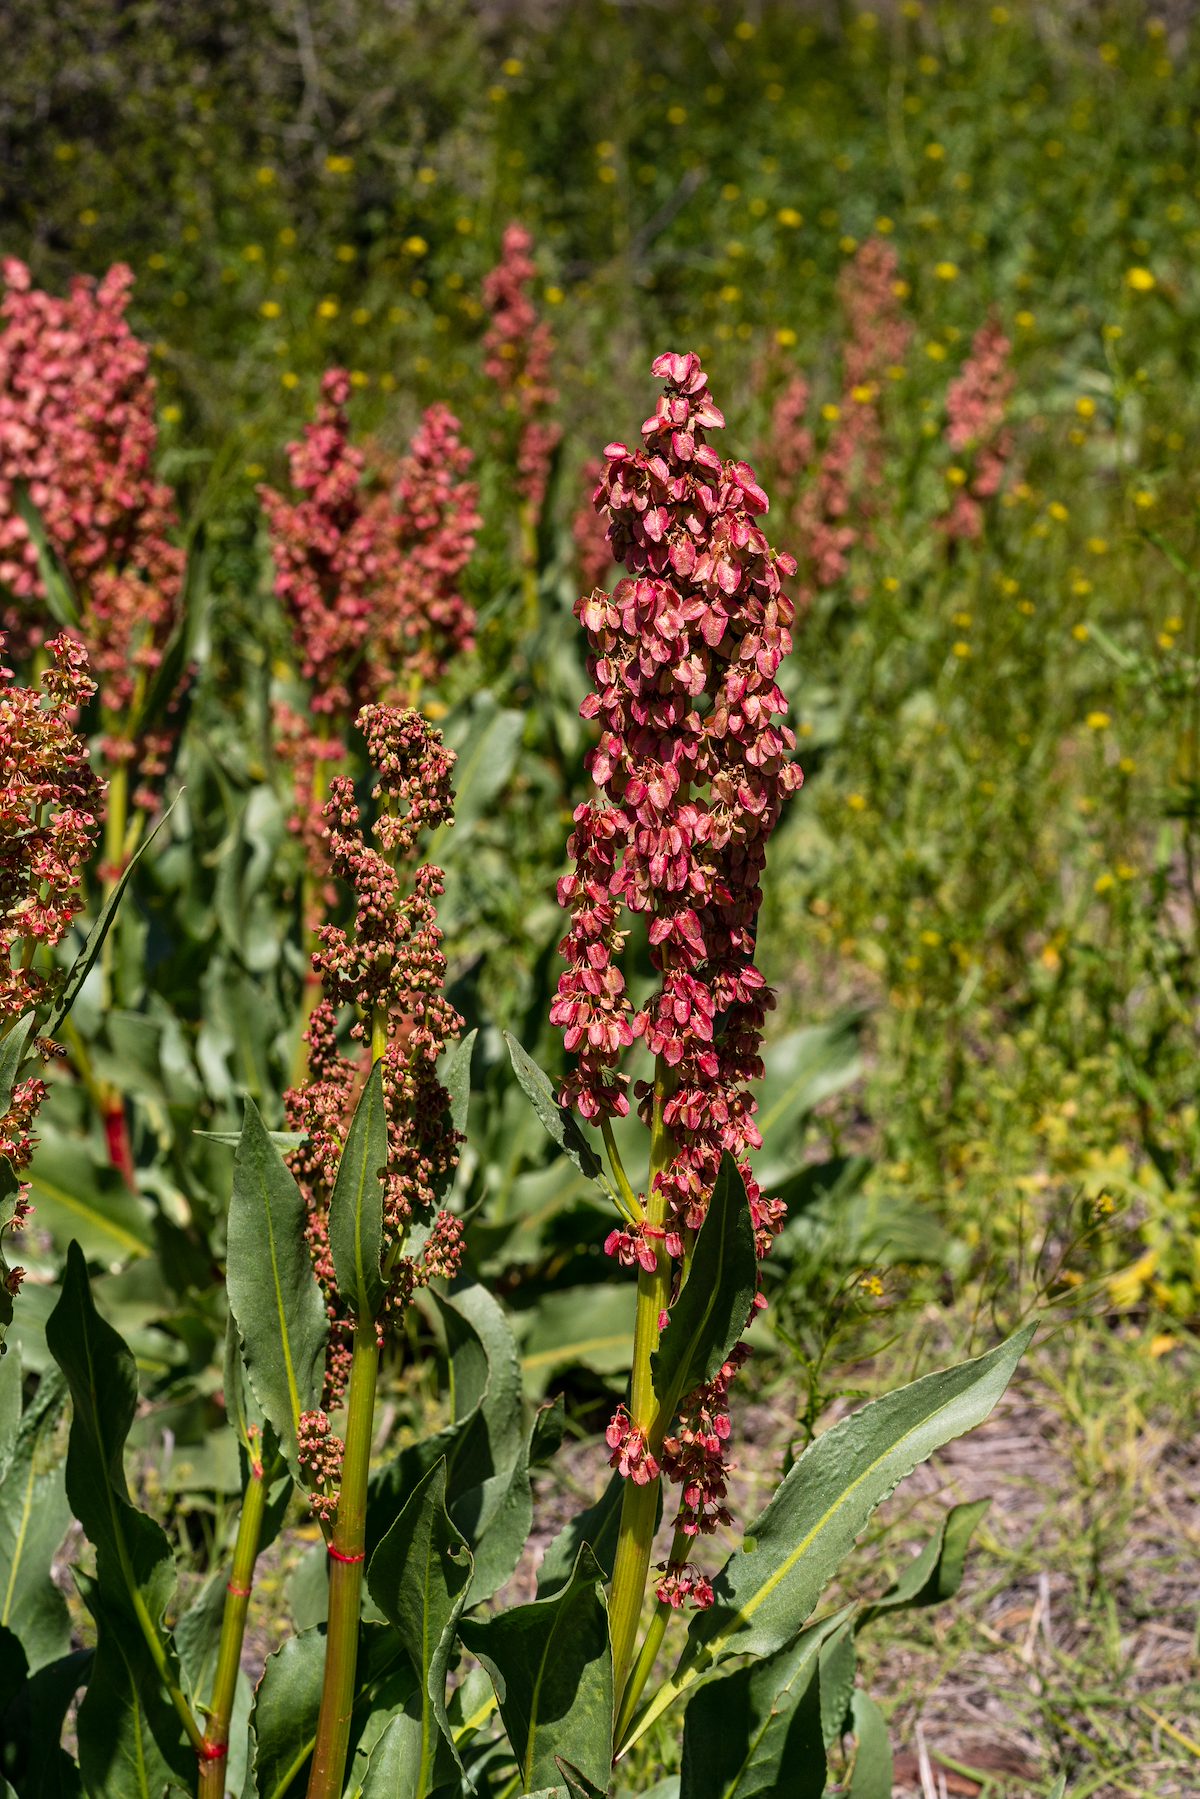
pixel 388 965
pixel 518 352
pixel 693 764
pixel 369 581
pixel 976 408
pixel 427 521
pixel 50 806
pixel 78 435
pixel 325 549
pixel 835 504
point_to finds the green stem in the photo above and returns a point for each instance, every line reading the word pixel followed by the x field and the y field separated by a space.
pixel 347 1553
pixel 214 1751
pixel 529 572
pixel 116 827
pixel 639 1506
pixel 632 1204
pixel 648 1653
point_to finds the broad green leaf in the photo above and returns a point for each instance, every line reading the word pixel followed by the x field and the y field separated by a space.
pixel 77 1198
pixel 757 1732
pixel 486 1447
pixel 495 1448
pixel 483 1446
pixel 486 756
pixel 871 1777
pixel 838 1668
pixel 356 1204
pixel 418 1577
pixel 33 1712
pixel 34 1516
pixel 12 1374
pixel 768 1588
pixel 288 1700
pixel 273 1292
pixel 711 1312
pixel 397 1765
pixel 589 1327
pixel 802 1069
pixel 551 1666
pixel 284 1718
pixel 558 1122
pixel 85 961
pixel 936 1573
pixel 134 1562
pixel 500 1545
pixel 454 1072
pixel 130 1744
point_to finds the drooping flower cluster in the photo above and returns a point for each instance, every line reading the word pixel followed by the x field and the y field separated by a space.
pixel 693 766
pixel 50 806
pixel 976 408
pixel 427 520
pixel 518 353
pixel 78 438
pixel 368 581
pixel 833 507
pixel 389 967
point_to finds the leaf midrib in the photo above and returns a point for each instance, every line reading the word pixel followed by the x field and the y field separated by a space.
pixel 689 1667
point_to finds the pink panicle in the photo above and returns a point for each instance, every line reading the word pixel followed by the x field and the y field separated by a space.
pixel 593 556
pixel 426 520
pixel 518 352
pixel 388 966
pixel 78 435
pixel 51 802
pixel 792 445
pixel 976 409
pixel 369 582
pixel 325 551
pixel 835 491
pixel 693 766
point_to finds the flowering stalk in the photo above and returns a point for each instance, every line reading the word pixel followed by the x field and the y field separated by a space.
pixel 370 587
pixel 976 433
pixel 834 493
pixel 78 438
pixel 518 351
pixel 391 970
pixel 50 798
pixel 693 772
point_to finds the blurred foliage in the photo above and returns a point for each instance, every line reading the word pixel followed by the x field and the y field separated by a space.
pixel 982 912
